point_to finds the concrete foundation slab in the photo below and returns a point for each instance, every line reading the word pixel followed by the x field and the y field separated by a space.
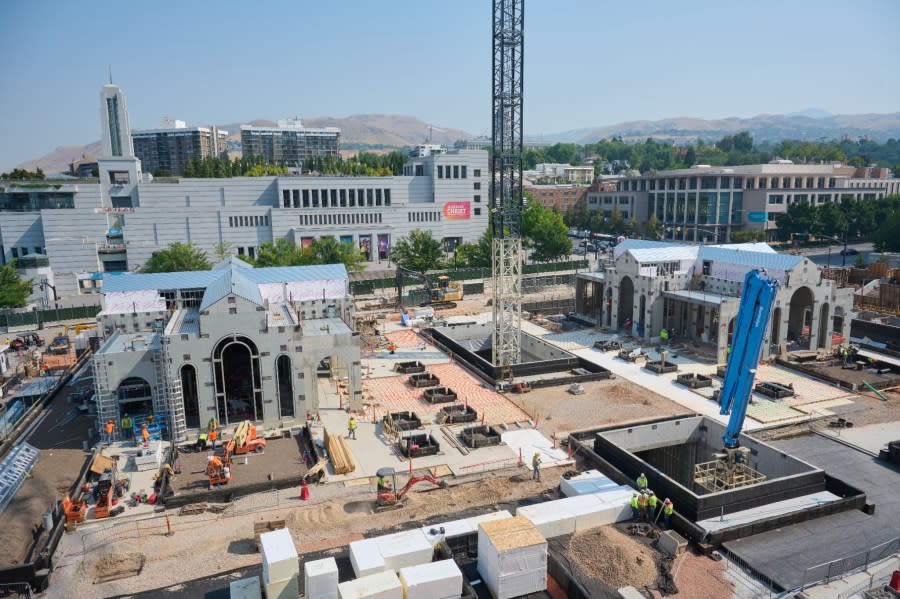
pixel 769 510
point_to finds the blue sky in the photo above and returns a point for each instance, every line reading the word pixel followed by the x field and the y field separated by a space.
pixel 588 62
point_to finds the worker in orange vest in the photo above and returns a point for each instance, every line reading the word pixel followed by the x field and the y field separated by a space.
pixel 145 435
pixel 213 438
pixel 109 428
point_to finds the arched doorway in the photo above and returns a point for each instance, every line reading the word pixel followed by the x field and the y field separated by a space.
pixel 776 326
pixel 135 397
pixel 730 332
pixel 800 317
pixel 824 328
pixel 285 386
pixel 626 302
pixel 189 396
pixel 238 382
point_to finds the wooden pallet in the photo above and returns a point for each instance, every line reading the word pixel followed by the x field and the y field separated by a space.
pixel 339 454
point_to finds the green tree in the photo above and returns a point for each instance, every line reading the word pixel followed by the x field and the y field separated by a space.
pixel 223 250
pixel 832 220
pixel 283 252
pixel 800 220
pixel 616 223
pixel 328 250
pixel 887 237
pixel 652 228
pixel 546 233
pixel 162 172
pixel 419 251
pixel 478 254
pixel 14 290
pixel 188 170
pixel 747 236
pixel 176 258
pixel 690 157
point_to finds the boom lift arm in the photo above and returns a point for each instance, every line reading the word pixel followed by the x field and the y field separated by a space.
pixel 757 297
pixel 402 273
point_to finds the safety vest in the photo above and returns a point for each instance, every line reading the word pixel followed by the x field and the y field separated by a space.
pixel 642 482
pixel 652 501
pixel 351 424
pixel 213 435
pixel 668 509
pixel 126 423
pixel 109 426
pixel 634 502
pixel 642 501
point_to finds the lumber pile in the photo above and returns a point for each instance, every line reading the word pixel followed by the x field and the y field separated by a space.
pixel 339 454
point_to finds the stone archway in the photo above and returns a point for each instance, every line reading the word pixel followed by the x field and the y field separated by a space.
pixel 189 395
pixel 625 306
pixel 285 386
pixel 824 328
pixel 237 380
pixel 800 317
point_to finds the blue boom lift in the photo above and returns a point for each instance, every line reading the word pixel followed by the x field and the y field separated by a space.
pixel 757 296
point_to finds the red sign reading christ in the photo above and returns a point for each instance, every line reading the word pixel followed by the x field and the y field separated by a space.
pixel 457 210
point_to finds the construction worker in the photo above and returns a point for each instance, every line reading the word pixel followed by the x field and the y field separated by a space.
pixel 642 482
pixel 652 502
pixel 108 428
pixel 213 438
pixel 201 441
pixel 382 484
pixel 145 435
pixel 667 510
pixel 536 466
pixel 212 425
pixel 642 506
pixel 635 508
pixel 126 424
pixel 351 427
pixel 664 336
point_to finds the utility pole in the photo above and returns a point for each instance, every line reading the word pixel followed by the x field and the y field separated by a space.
pixel 506 180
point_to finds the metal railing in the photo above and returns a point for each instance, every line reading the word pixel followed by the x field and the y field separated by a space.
pixel 850 564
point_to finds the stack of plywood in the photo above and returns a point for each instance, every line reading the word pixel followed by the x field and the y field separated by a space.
pixel 383 585
pixel 434 580
pixel 339 454
pixel 320 578
pixel 281 568
pixel 512 557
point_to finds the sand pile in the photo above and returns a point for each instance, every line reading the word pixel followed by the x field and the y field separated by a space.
pixel 616 559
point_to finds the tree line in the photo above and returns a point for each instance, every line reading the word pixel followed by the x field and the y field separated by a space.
pixel 877 220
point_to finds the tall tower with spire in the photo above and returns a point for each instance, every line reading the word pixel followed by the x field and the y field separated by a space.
pixel 120 169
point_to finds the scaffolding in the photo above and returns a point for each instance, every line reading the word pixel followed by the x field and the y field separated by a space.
pixel 719 475
pixel 167 401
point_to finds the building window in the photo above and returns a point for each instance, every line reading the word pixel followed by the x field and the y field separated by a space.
pixel 315 198
pixel 420 170
pixel 15 252
pixel 477 185
pixel 776 199
pixel 352 198
pixel 477 211
pixel 476 199
pixel 476 172
pixel 251 251
pixel 378 197
pixel 286 197
pixel 456 171
pixel 369 198
pixel 440 172
pixel 463 169
pixel 707 267
pixel 240 251
pixel 387 197
pixel 343 198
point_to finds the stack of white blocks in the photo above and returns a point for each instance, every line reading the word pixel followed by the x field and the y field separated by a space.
pixel 456 528
pixel 390 552
pixel 320 579
pixel 281 569
pixel 579 512
pixel 382 585
pixel 434 580
pixel 512 557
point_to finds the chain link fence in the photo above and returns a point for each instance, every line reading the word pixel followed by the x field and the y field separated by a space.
pixel 11 319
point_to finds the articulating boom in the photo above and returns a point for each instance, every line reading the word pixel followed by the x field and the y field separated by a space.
pixel 757 296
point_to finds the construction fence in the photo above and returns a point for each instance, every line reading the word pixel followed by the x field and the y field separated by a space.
pixel 850 564
pixel 38 318
pixel 468 275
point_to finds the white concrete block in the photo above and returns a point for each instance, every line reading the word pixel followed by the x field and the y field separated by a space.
pixel 366 558
pixel 551 518
pixel 587 482
pixel 630 593
pixel 245 588
pixel 403 549
pixel 383 585
pixel 434 580
pixel 320 578
pixel 283 589
pixel 456 528
pixel 512 557
pixel 279 556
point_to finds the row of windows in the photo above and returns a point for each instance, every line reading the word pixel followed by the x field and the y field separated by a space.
pixel 248 221
pixel 335 198
pixel 735 182
pixel 703 208
pixel 457 172
pixel 364 218
pixel 24 251
pixel 250 251
pixel 820 198
pixel 423 217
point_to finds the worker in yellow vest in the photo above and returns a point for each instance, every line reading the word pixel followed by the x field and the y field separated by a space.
pixel 668 510
pixel 642 483
pixel 635 509
pixel 351 427
pixel 652 503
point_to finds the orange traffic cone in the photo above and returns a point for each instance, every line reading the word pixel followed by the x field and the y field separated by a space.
pixel 304 490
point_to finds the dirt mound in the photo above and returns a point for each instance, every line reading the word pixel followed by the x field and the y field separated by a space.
pixel 616 559
pixel 117 566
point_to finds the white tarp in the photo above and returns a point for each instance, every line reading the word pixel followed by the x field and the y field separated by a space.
pixel 279 556
pixel 383 585
pixel 302 291
pixel 126 302
pixel 585 483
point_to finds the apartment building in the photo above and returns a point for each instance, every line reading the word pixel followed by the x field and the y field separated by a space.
pixel 169 148
pixel 290 143
pixel 561 197
pixel 707 204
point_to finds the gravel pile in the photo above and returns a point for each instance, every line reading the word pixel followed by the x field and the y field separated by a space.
pixel 607 555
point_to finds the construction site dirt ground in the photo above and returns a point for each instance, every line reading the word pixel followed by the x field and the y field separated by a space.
pixel 616 401
pixel 282 458
pixel 59 437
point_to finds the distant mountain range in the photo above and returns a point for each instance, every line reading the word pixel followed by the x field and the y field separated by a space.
pixel 811 124
pixel 397 131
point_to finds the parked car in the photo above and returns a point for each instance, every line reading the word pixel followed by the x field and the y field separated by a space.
pixel 849 252
pixel 591 247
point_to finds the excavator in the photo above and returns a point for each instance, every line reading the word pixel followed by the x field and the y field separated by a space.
pixel 389 497
pixel 443 295
pixel 757 297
